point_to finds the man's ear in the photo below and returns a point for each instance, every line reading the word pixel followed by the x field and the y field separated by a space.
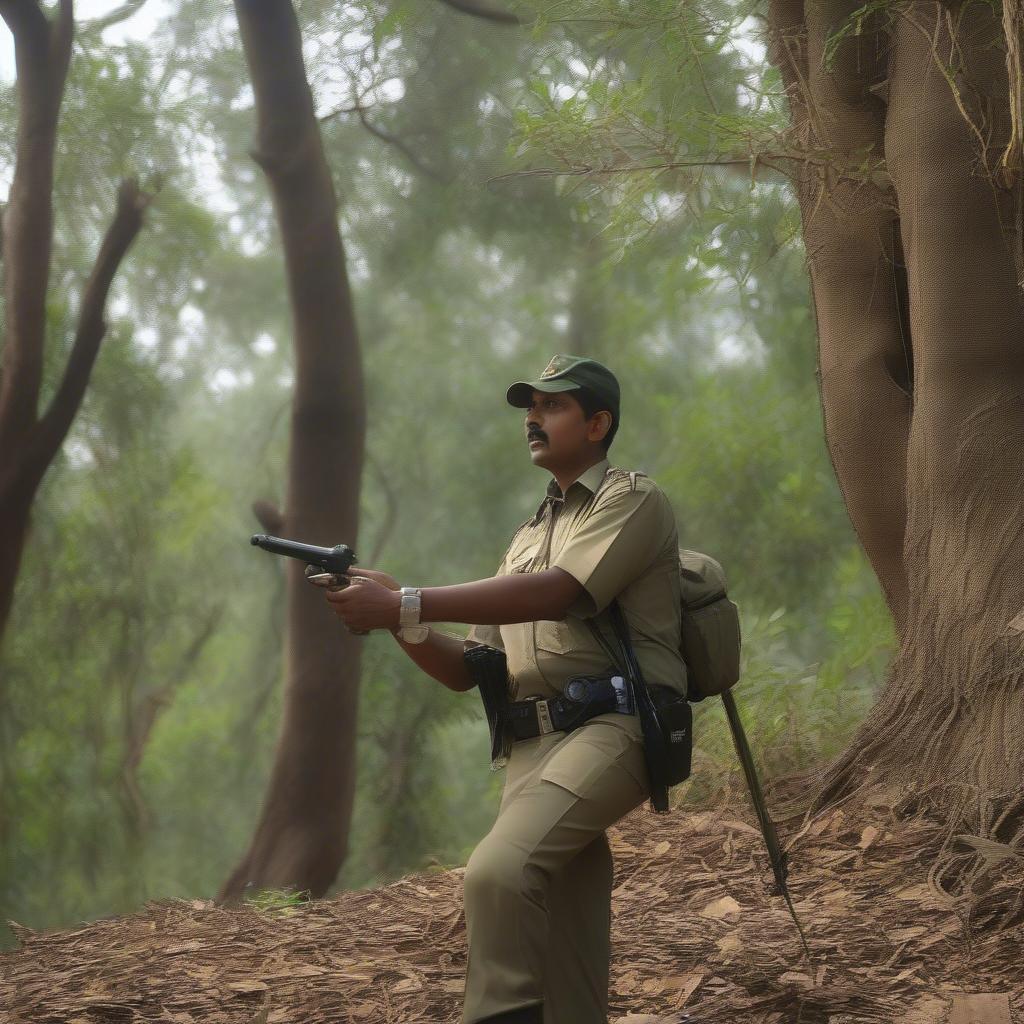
pixel 600 420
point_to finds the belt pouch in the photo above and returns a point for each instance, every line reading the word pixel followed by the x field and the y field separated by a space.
pixel 583 698
pixel 675 719
pixel 488 668
pixel 665 718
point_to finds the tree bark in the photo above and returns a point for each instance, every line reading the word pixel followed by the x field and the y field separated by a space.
pixel 922 376
pixel 29 442
pixel 302 836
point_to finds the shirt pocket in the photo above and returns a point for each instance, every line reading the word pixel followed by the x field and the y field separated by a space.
pixel 555 636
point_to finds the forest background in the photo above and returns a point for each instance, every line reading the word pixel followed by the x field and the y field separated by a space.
pixel 570 184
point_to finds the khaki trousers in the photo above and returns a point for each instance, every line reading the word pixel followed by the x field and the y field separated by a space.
pixel 537 888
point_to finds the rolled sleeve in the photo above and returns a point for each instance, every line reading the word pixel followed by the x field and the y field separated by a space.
pixel 615 545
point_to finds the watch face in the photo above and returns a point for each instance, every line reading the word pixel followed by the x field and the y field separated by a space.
pixel 409 611
pixel 415 634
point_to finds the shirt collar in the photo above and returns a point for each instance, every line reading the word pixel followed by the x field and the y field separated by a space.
pixel 590 478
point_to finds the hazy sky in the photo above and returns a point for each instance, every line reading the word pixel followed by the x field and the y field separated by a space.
pixel 143 23
pixel 138 26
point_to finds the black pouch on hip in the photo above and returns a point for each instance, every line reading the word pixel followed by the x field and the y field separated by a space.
pixel 675 717
pixel 488 668
pixel 666 719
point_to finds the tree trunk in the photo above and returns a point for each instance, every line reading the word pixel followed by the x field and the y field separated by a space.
pixel 29 442
pixel 922 378
pixel 302 836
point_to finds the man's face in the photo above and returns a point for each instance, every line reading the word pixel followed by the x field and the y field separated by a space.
pixel 556 429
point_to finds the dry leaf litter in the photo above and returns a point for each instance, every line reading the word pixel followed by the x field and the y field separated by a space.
pixel 698 936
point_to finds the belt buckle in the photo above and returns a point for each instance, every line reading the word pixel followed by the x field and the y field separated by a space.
pixel 544 723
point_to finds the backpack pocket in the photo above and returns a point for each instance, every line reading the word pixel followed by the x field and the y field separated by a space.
pixel 711 647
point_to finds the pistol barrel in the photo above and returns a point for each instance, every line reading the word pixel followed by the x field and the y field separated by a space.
pixel 338 559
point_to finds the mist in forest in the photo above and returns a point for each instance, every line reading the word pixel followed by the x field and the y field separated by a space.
pixel 485 229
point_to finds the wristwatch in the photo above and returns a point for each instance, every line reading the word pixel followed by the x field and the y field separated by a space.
pixel 410 629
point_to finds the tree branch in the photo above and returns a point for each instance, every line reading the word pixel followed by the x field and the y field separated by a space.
pixel 53 427
pixel 385 136
pixel 114 17
pixel 781 161
pixel 482 11
pixel 402 147
pixel 28 25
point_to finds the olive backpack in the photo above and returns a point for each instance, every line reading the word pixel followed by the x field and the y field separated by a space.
pixel 710 629
pixel 710 635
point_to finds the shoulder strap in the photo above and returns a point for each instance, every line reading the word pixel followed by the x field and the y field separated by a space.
pixel 614 658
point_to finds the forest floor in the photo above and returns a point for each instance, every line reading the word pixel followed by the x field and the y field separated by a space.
pixel 697 936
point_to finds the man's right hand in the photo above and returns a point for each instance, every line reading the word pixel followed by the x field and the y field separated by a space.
pixel 378 577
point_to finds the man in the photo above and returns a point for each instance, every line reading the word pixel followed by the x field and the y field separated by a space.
pixel 538 886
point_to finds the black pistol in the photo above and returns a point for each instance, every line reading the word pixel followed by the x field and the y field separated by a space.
pixel 325 567
pixel 336 560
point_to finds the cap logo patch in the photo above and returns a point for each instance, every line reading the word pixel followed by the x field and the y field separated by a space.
pixel 552 368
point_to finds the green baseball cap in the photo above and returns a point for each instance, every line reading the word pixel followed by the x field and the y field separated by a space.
pixel 567 373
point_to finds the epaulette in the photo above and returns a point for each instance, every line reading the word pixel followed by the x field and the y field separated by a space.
pixel 616 475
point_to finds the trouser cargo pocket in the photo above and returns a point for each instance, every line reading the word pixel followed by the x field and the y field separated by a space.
pixel 596 747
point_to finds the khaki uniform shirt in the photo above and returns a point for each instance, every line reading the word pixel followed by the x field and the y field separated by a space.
pixel 617 542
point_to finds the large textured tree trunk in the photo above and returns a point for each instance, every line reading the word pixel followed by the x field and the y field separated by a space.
pixel 30 441
pixel 302 836
pixel 912 232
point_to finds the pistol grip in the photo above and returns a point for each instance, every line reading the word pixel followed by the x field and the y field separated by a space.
pixel 333 582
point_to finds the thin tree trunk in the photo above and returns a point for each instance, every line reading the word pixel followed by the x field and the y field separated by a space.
pixel 29 442
pixel 302 836
pixel 932 479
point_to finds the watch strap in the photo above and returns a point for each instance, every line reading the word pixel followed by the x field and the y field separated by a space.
pixel 409 613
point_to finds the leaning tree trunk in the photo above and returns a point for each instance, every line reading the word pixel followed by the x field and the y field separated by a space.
pixel 30 441
pixel 914 251
pixel 302 836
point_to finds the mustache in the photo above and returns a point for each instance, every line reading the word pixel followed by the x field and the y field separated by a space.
pixel 536 435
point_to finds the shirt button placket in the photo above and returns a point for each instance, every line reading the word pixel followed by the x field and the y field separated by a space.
pixel 553 506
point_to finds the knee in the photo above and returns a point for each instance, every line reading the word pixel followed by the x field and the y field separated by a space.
pixel 496 869
pixel 493 865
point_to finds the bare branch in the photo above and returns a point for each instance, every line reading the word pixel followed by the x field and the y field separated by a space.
pixel 114 17
pixel 482 11
pixel 338 111
pixel 402 147
pixel 385 136
pixel 53 427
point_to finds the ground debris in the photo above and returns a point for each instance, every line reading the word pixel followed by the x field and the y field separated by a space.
pixel 696 934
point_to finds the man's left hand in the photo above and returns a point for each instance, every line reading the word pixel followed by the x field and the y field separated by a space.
pixel 366 604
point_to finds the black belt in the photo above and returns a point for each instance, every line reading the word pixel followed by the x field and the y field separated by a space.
pixel 584 697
